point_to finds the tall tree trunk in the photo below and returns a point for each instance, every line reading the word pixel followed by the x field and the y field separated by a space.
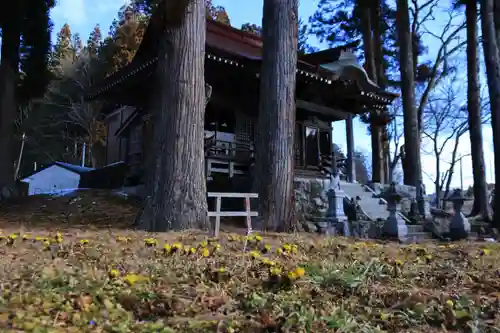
pixel 274 168
pixel 411 132
pixel 378 46
pixel 8 107
pixel 371 68
pixel 492 61
pixel 177 186
pixel 474 114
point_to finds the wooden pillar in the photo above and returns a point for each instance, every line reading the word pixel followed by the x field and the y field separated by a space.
pixel 351 170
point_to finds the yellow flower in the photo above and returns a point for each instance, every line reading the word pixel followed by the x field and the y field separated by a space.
pixel 299 271
pixel 267 248
pixel 450 303
pixel 221 270
pixel 150 242
pixel 84 241
pixel 26 236
pixel 254 254
pixel 292 275
pixel 167 248
pixel 217 247
pixel 114 273
pixel 176 247
pixel 258 238
pixel 385 315
pixel 46 243
pixel 399 262
pixel 13 236
pixel 38 238
pixel 204 243
pixel 132 279
pixel 268 262
pixel 484 252
pixel 279 250
pixel 205 252
pixel 275 271
pixel 122 239
pixel 192 250
pixel 287 247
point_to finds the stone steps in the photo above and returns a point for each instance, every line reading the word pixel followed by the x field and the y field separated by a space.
pixel 373 207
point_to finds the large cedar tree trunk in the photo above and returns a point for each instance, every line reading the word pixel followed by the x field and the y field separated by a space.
pixel 176 177
pixel 411 132
pixel 371 68
pixel 376 22
pixel 474 114
pixel 8 106
pixel 492 61
pixel 274 169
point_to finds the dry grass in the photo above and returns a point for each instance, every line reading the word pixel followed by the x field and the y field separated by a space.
pixel 94 279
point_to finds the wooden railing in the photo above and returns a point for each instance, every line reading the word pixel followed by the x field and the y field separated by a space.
pixel 228 157
pixel 248 213
pixel 230 150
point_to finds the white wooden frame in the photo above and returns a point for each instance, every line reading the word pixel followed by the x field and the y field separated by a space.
pixel 248 213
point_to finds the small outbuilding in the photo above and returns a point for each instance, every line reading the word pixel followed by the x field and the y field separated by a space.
pixel 55 177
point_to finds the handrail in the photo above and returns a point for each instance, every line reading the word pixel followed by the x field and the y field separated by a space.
pixel 218 213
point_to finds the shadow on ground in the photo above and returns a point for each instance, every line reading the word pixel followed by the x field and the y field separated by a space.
pixel 89 209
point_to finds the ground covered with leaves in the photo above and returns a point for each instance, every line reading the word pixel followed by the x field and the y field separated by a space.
pixel 84 275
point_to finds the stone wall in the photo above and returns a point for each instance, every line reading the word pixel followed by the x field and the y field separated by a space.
pixel 311 202
pixel 409 191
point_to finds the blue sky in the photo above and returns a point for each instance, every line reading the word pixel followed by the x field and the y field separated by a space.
pixel 83 15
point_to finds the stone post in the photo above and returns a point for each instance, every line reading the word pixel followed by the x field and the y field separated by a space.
pixel 335 213
pixel 459 226
pixel 394 227
pixel 427 209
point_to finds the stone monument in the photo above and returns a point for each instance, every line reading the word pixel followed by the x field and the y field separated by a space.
pixel 459 226
pixel 335 214
pixel 394 227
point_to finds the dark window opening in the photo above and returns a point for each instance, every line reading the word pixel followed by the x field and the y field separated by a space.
pixel 325 143
pixel 312 146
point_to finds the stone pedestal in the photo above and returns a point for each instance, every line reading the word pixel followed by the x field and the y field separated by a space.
pixel 394 227
pixel 459 226
pixel 335 214
pixel 427 209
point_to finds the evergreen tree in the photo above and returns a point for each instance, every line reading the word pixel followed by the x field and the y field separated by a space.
pixel 94 42
pixel 63 49
pixel 25 43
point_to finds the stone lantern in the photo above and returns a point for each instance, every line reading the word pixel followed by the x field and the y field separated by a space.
pixel 459 226
pixel 394 227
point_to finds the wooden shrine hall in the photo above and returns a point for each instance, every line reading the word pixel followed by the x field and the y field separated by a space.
pixel 331 86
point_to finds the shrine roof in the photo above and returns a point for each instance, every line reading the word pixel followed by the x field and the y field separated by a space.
pixel 232 46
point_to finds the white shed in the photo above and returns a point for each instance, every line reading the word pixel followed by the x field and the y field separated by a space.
pixel 54 178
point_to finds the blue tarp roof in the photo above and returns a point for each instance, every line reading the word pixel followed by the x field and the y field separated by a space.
pixel 75 168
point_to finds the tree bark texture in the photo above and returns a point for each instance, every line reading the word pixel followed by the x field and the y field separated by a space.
pixel 411 132
pixel 274 169
pixel 8 107
pixel 474 114
pixel 492 62
pixel 376 22
pixel 176 176
pixel 371 68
